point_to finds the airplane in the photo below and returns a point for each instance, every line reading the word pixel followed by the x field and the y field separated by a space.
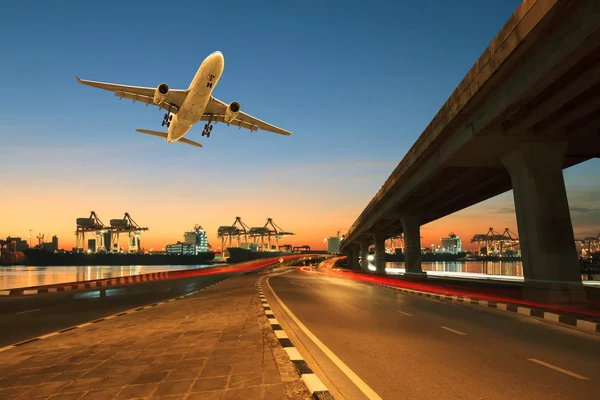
pixel 187 107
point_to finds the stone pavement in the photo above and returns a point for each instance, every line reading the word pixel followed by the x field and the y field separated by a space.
pixel 216 344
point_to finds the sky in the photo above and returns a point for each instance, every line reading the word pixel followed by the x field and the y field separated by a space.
pixel 355 82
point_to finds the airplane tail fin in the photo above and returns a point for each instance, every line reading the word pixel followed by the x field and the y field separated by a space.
pixel 164 136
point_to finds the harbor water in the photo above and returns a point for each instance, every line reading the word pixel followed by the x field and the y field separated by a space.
pixel 12 277
pixel 20 276
pixel 504 268
pixel 496 270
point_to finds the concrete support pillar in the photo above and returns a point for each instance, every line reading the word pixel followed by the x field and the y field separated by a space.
pixel 549 255
pixel 352 257
pixel 364 253
pixel 411 226
pixel 379 240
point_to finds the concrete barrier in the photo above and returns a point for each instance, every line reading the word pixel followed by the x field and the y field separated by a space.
pixel 135 279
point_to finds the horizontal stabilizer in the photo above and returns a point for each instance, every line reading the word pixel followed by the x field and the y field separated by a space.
pixel 190 142
pixel 153 133
pixel 164 135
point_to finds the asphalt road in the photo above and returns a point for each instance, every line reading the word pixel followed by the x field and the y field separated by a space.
pixel 25 317
pixel 409 347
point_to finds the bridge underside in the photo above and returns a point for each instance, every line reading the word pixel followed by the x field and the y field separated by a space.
pixel 516 127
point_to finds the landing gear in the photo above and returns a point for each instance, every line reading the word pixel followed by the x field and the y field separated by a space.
pixel 207 129
pixel 209 84
pixel 167 120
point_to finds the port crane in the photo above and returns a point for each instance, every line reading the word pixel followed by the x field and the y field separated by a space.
pixel 496 242
pixel 128 226
pixel 236 230
pixel 395 242
pixel 269 231
pixel 92 224
pixel 589 244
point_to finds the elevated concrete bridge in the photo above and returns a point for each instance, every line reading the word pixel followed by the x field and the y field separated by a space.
pixel 529 107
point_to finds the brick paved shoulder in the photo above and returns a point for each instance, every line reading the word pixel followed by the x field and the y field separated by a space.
pixel 216 344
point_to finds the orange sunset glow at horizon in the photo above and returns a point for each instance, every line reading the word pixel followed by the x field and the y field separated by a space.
pixel 312 217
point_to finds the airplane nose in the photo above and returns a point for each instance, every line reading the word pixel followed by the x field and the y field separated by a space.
pixel 217 57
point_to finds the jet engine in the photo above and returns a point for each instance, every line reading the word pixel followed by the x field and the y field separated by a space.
pixel 232 112
pixel 161 93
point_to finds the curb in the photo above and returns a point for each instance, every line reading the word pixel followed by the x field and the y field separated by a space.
pixel 108 317
pixel 102 283
pixel 317 389
pixel 109 282
pixel 572 322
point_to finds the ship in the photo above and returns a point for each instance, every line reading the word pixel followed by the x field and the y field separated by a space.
pixel 40 257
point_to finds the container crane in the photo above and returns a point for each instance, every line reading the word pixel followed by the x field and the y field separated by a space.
pixel 495 242
pixel 89 225
pixel 131 228
pixel 274 232
pixel 236 230
pixel 589 244
pixel 394 243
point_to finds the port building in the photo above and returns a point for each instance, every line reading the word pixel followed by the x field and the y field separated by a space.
pixel 451 244
pixel 195 241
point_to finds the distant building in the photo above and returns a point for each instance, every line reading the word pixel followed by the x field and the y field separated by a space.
pixel 333 244
pixel 54 242
pixel 195 242
pixel 20 244
pixel 197 237
pixel 451 244
pixel 182 249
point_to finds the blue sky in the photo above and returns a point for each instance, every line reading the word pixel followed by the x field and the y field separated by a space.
pixel 356 82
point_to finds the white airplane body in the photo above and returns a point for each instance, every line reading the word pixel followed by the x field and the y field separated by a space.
pixel 187 107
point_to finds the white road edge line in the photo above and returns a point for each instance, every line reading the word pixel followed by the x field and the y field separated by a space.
pixel 554 367
pixel 370 393
pixel 405 313
pixel 453 330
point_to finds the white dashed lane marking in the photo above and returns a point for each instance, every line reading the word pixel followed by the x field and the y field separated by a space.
pixel 554 367
pixel 453 330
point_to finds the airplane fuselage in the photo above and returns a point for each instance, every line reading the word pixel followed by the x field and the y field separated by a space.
pixel 199 94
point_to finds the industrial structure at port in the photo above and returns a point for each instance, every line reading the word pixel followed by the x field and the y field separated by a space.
pixel 107 238
pixel 258 238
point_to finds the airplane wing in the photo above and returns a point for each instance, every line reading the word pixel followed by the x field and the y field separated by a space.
pixel 172 103
pixel 215 111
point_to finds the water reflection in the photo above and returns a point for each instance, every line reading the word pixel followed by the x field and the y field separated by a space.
pixel 512 268
pixel 23 276
pixel 509 270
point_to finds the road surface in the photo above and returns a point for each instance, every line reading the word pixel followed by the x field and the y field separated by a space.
pixel 404 346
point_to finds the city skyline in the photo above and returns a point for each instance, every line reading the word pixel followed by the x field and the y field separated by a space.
pixel 74 149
